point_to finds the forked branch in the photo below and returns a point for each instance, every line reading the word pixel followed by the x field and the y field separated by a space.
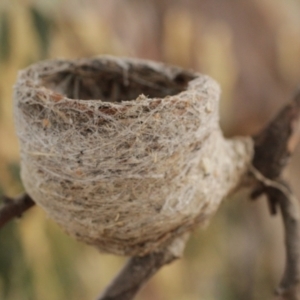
pixel 273 148
pixel 14 207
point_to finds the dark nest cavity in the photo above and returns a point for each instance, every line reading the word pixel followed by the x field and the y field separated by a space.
pixel 111 82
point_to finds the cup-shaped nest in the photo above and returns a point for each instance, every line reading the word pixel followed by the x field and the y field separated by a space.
pixel 122 153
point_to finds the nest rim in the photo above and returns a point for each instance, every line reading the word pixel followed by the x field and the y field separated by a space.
pixel 32 77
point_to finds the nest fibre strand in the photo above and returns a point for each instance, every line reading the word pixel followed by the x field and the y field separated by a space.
pixel 124 154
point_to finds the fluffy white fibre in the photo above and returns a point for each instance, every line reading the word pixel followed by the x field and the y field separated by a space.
pixel 131 171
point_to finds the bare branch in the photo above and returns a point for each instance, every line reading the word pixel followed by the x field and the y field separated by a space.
pixel 275 144
pixel 273 148
pixel 138 270
pixel 135 274
pixel 289 288
pixel 14 207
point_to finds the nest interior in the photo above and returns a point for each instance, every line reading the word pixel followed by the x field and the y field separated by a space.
pixel 111 82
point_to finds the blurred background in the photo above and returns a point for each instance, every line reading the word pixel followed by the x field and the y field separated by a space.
pixel 251 47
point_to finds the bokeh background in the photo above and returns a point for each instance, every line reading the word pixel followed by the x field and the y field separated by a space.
pixel 251 47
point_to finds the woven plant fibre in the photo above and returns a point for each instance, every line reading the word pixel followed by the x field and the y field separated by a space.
pixel 124 154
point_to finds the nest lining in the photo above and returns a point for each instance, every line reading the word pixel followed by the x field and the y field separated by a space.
pixel 123 153
pixel 115 83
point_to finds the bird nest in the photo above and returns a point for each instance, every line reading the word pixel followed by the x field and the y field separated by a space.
pixel 120 152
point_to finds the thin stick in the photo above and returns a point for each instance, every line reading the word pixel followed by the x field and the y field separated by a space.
pixel 273 148
pixel 289 287
pixel 14 207
pixel 135 274
pixel 276 143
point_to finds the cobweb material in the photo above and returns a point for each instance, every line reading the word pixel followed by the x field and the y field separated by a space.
pixel 124 154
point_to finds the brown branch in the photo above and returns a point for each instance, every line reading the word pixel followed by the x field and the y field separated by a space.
pixel 14 207
pixel 273 148
pixel 275 144
pixel 289 288
pixel 135 274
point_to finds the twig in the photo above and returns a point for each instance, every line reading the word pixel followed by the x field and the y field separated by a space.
pixel 135 274
pixel 273 148
pixel 138 270
pixel 289 287
pixel 275 144
pixel 14 207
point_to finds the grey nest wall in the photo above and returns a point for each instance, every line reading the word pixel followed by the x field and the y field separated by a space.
pixel 124 154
